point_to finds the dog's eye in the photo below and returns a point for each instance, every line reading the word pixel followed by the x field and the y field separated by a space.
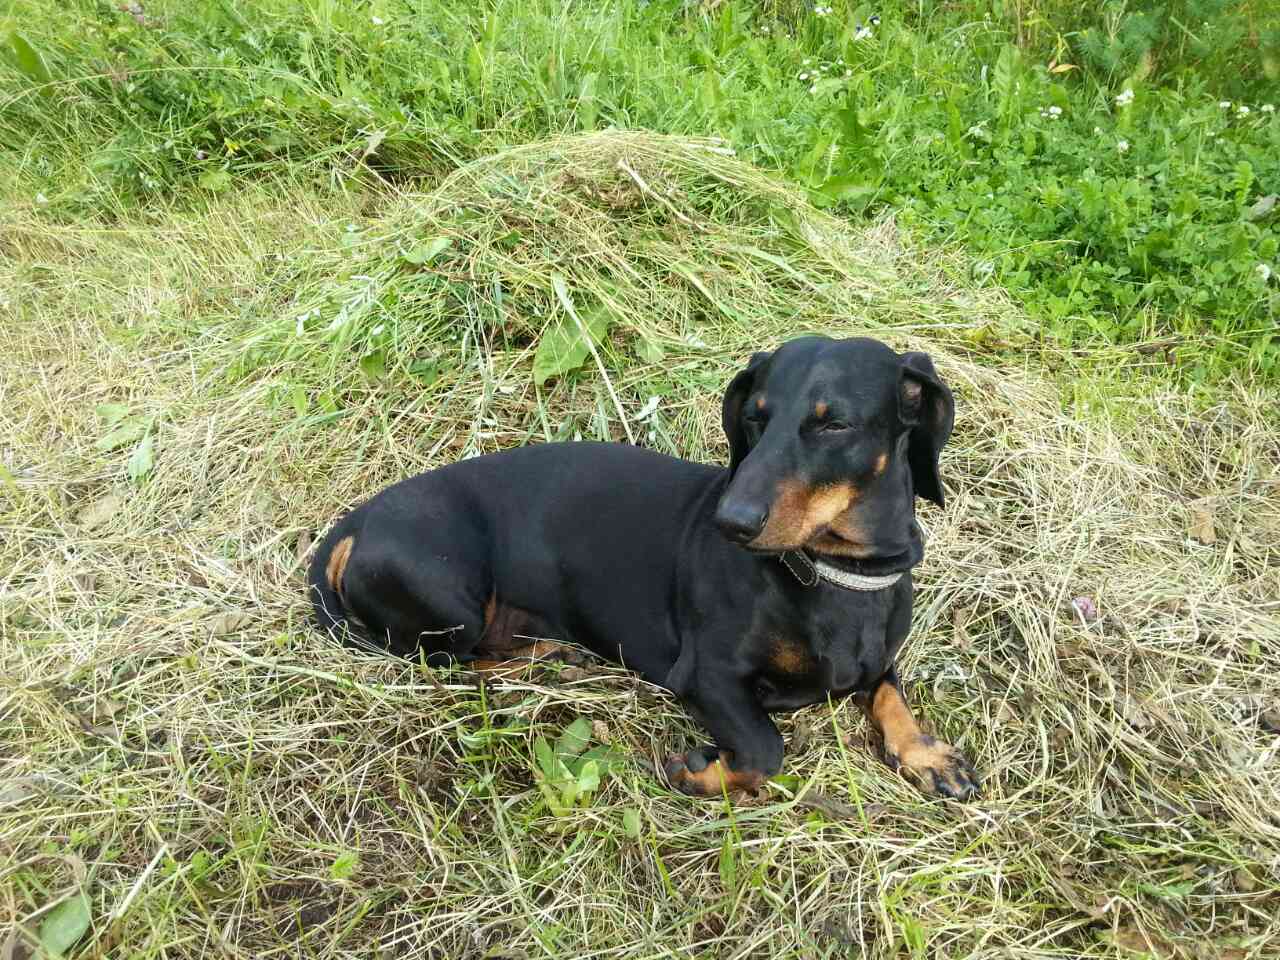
pixel 834 426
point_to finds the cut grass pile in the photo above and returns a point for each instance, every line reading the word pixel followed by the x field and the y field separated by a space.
pixel 188 769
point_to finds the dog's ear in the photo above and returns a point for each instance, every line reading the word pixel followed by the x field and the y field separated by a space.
pixel 731 412
pixel 926 405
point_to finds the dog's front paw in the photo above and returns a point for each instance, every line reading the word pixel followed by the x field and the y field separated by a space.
pixel 937 768
pixel 707 773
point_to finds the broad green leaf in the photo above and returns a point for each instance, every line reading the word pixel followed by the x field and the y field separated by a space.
pixel 847 188
pixel 427 250
pixel 563 348
pixel 28 58
pixel 126 432
pixel 344 866
pixel 606 758
pixel 575 738
pixel 298 397
pixel 631 823
pixel 544 757
pixel 374 365
pixel 143 458
pixel 650 351
pixel 1005 81
pixel 65 924
pixel 112 413
pixel 589 777
pixel 215 180
pixel 426 372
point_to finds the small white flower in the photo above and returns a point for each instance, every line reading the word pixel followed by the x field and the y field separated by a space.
pixel 1124 98
pixel 848 73
pixel 377 21
pixel 1263 271
pixel 1219 141
pixel 1055 111
pixel 1242 111
pixel 814 88
pixel 804 76
pixel 1122 146
pixel 1268 108
pixel 862 33
pixel 351 228
pixel 1097 131
pixel 41 199
pixel 1224 104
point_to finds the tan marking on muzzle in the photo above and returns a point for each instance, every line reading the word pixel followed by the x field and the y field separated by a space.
pixel 799 511
pixel 760 401
pixel 337 565
pixel 820 409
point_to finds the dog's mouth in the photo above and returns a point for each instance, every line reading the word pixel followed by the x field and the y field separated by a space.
pixel 853 557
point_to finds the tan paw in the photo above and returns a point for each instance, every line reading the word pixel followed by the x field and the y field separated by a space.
pixel 937 768
pixel 691 773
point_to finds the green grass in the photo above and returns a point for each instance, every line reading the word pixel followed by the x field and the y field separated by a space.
pixel 261 260
pixel 190 769
pixel 1112 221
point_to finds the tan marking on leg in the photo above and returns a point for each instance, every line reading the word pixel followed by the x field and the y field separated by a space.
pixel 799 511
pixel 760 402
pixel 881 463
pixel 714 780
pixel 490 608
pixel 820 409
pixel 337 565
pixel 933 765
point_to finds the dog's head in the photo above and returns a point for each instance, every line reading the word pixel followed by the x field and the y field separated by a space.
pixel 830 441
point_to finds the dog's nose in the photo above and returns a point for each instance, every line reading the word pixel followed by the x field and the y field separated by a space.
pixel 741 521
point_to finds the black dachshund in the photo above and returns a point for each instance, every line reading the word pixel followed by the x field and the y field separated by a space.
pixel 771 585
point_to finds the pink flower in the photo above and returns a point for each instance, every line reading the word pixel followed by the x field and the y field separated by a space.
pixel 1085 609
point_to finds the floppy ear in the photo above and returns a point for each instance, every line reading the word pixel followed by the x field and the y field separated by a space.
pixel 731 411
pixel 925 403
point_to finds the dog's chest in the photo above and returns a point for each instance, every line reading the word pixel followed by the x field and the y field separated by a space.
pixel 835 644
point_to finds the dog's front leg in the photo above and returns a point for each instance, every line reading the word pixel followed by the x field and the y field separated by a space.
pixel 747 750
pixel 934 766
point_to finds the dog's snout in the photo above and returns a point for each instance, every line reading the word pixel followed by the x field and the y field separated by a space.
pixel 741 521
